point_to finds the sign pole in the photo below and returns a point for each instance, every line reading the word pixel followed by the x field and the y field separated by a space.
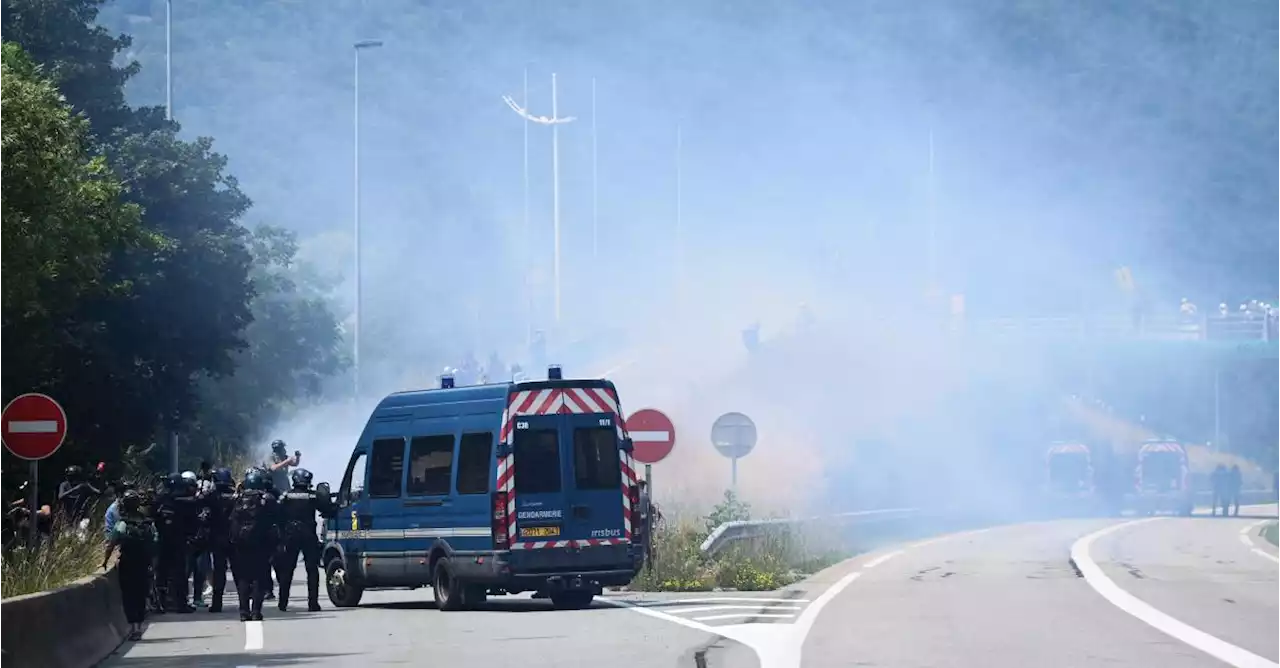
pixel 33 531
pixel 648 478
pixel 733 475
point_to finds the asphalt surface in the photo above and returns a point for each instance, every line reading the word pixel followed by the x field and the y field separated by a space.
pixel 1008 596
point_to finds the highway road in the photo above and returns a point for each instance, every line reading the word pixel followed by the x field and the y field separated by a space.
pixel 1167 592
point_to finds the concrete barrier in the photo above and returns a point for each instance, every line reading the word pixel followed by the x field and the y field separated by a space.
pixel 75 626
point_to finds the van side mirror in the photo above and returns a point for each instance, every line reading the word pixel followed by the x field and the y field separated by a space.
pixel 503 450
pixel 628 446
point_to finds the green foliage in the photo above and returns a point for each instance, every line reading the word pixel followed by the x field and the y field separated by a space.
pixel 760 565
pixel 62 559
pixel 63 215
pixel 132 291
pixel 295 342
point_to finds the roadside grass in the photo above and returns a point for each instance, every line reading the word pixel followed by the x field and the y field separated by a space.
pixel 63 557
pixel 760 565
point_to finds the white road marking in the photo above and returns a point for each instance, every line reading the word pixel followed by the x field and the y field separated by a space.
pixel 1265 554
pixel 252 636
pixel 881 559
pixel 1215 647
pixel 775 645
pixel 1246 538
pixel 733 599
pixel 710 608
pixel 744 614
pixel 33 427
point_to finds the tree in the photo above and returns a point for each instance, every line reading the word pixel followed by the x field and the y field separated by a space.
pixel 132 292
pixel 295 342
pixel 64 218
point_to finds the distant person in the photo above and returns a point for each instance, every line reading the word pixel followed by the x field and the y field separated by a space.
pixel 1234 481
pixel 135 461
pixel 278 465
pixel 75 494
pixel 495 366
pixel 1218 481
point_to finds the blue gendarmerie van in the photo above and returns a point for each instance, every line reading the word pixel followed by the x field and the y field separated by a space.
pixel 489 489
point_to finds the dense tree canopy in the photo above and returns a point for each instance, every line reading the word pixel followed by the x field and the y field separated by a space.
pixel 133 292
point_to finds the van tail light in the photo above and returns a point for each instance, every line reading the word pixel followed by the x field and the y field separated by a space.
pixel 633 492
pixel 500 520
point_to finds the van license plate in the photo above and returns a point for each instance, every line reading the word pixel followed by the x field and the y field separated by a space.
pixel 539 532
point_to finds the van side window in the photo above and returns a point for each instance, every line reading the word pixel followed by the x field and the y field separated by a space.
pixel 386 468
pixel 352 487
pixel 537 461
pixel 430 465
pixel 473 463
pixel 595 458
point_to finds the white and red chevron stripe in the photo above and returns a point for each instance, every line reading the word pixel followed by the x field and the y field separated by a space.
pixel 553 401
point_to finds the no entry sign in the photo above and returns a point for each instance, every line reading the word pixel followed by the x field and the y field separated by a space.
pixel 653 435
pixel 33 426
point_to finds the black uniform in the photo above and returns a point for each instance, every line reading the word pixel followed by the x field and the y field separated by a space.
pixel 298 508
pixel 220 503
pixel 175 517
pixel 135 537
pixel 254 537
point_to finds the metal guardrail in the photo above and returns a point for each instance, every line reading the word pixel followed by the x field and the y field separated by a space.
pixel 732 532
pixel 1235 328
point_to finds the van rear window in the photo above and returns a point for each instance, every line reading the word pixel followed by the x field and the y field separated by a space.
pixel 537 455
pixel 595 458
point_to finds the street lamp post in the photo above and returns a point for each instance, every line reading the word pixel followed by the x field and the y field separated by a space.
pixel 555 121
pixel 168 60
pixel 595 208
pixel 679 214
pixel 355 130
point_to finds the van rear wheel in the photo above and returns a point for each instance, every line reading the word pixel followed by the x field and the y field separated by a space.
pixel 572 600
pixel 343 593
pixel 447 590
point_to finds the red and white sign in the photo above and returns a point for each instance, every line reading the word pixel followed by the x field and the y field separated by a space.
pixel 653 435
pixel 33 426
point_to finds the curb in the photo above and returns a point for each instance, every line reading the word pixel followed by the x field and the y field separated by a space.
pixel 75 626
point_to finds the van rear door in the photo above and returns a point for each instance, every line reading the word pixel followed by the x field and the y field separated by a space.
pixel 538 476
pixel 593 477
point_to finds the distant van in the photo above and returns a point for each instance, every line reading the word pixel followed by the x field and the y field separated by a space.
pixel 488 489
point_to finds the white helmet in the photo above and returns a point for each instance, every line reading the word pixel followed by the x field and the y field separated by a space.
pixel 189 476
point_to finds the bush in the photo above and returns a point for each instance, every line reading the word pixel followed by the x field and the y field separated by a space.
pixel 762 565
pixel 60 559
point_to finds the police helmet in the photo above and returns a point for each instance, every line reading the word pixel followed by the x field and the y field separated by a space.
pixel 223 477
pixel 278 446
pixel 130 501
pixel 189 476
pixel 301 478
pixel 74 471
pixel 174 482
pixel 256 479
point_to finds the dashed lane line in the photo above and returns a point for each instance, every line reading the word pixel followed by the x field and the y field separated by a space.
pixel 253 637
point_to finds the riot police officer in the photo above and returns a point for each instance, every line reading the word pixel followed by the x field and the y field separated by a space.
pixel 254 536
pixel 298 508
pixel 174 515
pixel 220 501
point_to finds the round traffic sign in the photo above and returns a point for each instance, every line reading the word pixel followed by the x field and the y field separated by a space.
pixel 33 426
pixel 652 434
pixel 734 435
